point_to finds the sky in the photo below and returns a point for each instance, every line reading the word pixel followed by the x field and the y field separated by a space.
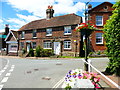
pixel 17 13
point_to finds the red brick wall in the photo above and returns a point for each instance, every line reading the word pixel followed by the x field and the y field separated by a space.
pixel 102 12
pixel 95 46
pixel 57 35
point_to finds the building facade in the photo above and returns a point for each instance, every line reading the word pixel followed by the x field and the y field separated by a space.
pixel 98 16
pixel 56 33
pixel 12 43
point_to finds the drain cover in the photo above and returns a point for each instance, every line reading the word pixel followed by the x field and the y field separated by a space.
pixel 46 78
pixel 29 71
pixel 36 69
pixel 58 63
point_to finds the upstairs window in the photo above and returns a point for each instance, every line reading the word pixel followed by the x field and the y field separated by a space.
pixel 34 45
pixel 99 20
pixel 23 35
pixel 67 30
pixel 99 38
pixel 67 44
pixel 47 45
pixel 34 33
pixel 49 32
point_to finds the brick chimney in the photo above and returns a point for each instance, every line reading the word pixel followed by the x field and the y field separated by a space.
pixel 89 7
pixel 6 29
pixel 49 12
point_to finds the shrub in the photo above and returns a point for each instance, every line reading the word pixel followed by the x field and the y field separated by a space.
pixel 23 51
pixel 112 37
pixel 47 52
pixel 98 53
pixel 31 53
pixel 38 51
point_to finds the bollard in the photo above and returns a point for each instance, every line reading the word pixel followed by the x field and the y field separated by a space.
pixel 89 62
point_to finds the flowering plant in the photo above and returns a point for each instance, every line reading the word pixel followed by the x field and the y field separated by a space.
pixel 74 75
pixel 87 25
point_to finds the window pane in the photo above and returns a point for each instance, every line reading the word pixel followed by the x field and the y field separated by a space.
pixel 23 34
pixel 34 33
pixel 98 20
pixel 67 44
pixel 67 29
pixel 49 32
pixel 99 38
pixel 47 45
pixel 34 45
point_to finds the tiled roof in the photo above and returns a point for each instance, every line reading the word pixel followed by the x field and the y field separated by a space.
pixel 69 19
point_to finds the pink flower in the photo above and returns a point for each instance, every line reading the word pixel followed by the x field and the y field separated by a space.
pixel 96 79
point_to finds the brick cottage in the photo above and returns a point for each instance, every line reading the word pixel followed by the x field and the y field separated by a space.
pixel 57 33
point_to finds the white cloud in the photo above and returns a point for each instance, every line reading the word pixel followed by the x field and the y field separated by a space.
pixel 16 21
pixel 38 7
pixel 27 18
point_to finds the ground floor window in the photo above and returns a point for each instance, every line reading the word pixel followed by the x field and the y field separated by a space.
pixel 13 47
pixel 67 44
pixel 99 38
pixel 47 45
pixel 34 45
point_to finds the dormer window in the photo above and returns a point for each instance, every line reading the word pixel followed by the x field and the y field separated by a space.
pixel 49 32
pixel 23 35
pixel 34 33
pixel 67 30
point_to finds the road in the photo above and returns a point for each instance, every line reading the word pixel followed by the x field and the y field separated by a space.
pixel 35 73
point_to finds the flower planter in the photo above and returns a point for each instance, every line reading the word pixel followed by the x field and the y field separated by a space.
pixel 80 79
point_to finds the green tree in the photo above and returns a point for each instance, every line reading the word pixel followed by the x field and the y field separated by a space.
pixel 112 37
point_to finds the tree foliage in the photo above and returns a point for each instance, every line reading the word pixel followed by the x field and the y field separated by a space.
pixel 112 37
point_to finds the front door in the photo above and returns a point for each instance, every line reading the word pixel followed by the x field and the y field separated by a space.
pixel 57 48
pixel 28 47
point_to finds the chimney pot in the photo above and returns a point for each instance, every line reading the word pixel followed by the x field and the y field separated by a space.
pixel 49 12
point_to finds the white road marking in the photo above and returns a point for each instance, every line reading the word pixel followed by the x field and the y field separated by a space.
pixel 13 65
pixel 4 80
pixel 5 68
pixel 2 71
pixel 8 74
pixel 58 84
pixel 1 86
pixel 11 70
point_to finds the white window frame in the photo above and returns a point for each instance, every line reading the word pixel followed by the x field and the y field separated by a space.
pixel 99 19
pixel 49 32
pixel 47 45
pixel 66 43
pixel 34 31
pixel 67 30
pixel 23 35
pixel 99 36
